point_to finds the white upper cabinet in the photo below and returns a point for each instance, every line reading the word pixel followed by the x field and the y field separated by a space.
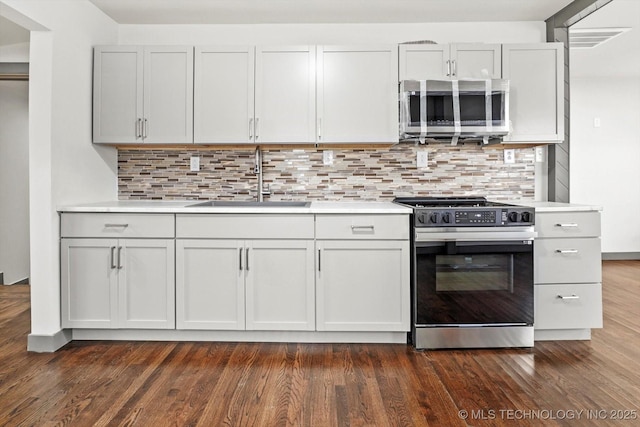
pixel 223 94
pixel 357 89
pixel 143 94
pixel 536 75
pixel 456 61
pixel 285 107
pixel 255 95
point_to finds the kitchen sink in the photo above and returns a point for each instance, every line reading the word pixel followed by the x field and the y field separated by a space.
pixel 250 204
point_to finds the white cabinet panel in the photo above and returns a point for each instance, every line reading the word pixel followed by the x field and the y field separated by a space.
pixel 567 261
pixel 357 94
pixel 89 283
pixel 363 286
pixel 536 75
pixel 224 94
pixel 285 94
pixel 210 284
pixel 280 285
pixel 168 95
pixel 362 227
pixel 117 94
pixel 570 306
pixel 143 94
pixel 146 288
pixel 456 61
pixel 568 224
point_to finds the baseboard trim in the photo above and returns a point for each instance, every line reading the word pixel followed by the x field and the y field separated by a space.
pixel 24 281
pixel 48 343
pixel 620 256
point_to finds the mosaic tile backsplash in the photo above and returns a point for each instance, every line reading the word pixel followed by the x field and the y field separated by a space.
pixel 299 174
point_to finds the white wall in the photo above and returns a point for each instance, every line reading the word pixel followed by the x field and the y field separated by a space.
pixel 265 34
pixel 64 167
pixel 14 180
pixel 605 160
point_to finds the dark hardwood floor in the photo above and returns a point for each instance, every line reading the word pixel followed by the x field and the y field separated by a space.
pixel 229 384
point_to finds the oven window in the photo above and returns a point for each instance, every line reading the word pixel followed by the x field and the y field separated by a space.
pixel 470 273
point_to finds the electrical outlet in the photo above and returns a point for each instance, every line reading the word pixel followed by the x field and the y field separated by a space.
pixel 195 164
pixel 327 157
pixel 596 122
pixel 510 156
pixel 422 159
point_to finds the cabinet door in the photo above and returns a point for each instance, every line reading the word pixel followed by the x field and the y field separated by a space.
pixel 285 94
pixel 363 286
pixel 210 284
pixel 117 94
pixel 280 285
pixel 168 95
pixel 89 280
pixel 358 94
pixel 424 61
pixel 536 74
pixel 224 94
pixel 477 61
pixel 146 283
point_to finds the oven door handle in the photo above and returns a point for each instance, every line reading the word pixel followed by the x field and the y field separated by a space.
pixel 453 247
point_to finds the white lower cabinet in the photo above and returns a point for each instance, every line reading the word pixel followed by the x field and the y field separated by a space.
pixel 362 272
pixel 118 283
pixel 362 285
pixel 252 284
pixel 567 275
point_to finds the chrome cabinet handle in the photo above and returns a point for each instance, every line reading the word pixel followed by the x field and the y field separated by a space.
pixel 250 128
pixel 145 129
pixel 319 259
pixel 119 257
pixel 257 127
pixel 362 227
pixel 247 259
pixel 113 257
pixel 116 225
pixel 319 129
pixel 139 128
pixel 240 258
pixel 448 68
pixel 453 68
pixel 567 251
pixel 567 297
pixel 567 225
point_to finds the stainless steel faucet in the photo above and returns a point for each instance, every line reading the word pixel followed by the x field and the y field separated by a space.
pixel 262 191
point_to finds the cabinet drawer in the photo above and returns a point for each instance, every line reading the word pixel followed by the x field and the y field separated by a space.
pixel 249 226
pixel 567 261
pixel 362 227
pixel 568 224
pixel 572 306
pixel 117 225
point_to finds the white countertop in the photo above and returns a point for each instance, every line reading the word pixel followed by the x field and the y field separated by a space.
pixel 557 206
pixel 159 206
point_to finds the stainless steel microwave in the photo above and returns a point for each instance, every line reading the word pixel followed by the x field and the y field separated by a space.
pixel 453 109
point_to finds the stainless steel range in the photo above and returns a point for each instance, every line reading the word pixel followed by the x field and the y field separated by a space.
pixel 472 273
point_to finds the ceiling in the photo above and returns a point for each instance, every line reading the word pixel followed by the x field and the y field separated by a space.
pixel 325 11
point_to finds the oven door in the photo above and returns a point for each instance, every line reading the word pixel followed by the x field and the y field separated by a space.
pixel 471 283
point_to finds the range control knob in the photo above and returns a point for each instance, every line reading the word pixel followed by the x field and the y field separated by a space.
pixel 433 218
pixel 513 216
pixel 446 217
pixel 525 217
pixel 420 219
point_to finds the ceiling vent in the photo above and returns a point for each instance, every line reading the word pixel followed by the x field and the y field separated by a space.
pixel 587 38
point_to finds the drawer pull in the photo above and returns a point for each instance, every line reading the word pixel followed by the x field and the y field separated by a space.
pixel 116 225
pixel 567 251
pixel 572 296
pixel 567 225
pixel 362 227
pixel 240 263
